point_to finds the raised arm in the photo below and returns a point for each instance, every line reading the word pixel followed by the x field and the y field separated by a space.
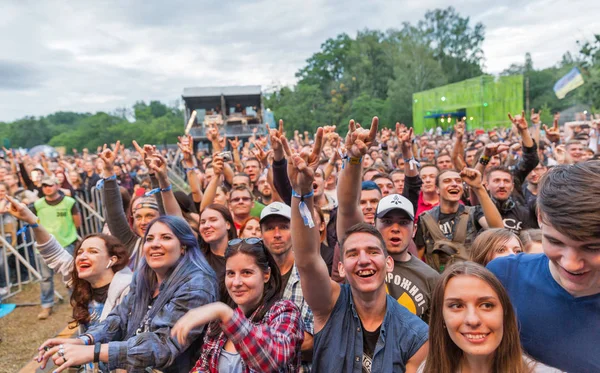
pixel 473 178
pixel 159 165
pixel 55 256
pixel 115 214
pixel 530 157
pixel 281 182
pixel 320 292
pixel 211 188
pixel 190 164
pixel 358 141
pixel 458 150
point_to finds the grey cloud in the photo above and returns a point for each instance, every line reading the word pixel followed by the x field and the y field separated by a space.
pixel 18 76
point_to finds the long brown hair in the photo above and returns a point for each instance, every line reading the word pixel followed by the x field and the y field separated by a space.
pixel 271 292
pixel 82 290
pixel 489 240
pixel 444 355
pixel 231 233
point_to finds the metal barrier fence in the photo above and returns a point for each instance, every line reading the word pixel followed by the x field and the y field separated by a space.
pixel 19 263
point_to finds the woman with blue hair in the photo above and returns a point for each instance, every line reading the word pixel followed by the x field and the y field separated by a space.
pixel 173 278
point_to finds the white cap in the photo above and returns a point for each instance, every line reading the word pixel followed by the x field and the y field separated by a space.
pixel 393 202
pixel 276 208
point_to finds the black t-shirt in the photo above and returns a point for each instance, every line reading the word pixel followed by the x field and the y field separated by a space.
pixel 327 255
pixel 285 277
pixel 369 343
pixel 518 217
pixel 217 263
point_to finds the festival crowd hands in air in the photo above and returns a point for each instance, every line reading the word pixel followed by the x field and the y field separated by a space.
pixel 272 215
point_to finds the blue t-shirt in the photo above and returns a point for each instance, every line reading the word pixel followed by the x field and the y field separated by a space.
pixel 338 347
pixel 557 329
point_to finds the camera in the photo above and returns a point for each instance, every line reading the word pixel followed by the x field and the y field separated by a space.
pixel 227 156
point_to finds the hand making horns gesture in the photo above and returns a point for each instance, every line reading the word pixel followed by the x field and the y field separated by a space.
pixel 302 166
pixel 359 140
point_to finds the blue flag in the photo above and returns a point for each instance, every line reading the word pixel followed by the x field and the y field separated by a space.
pixel 568 83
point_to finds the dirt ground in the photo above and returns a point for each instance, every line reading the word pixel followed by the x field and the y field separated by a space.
pixel 22 333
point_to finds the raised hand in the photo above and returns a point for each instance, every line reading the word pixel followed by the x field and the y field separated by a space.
pixel 459 128
pixel 143 152
pixel 158 164
pixel 261 155
pixel 235 143
pixel 535 117
pixel 553 134
pixel 186 145
pixel 405 136
pixel 109 156
pixel 472 177
pixel 276 141
pixel 495 148
pixel 218 165
pixel 359 140
pixel 519 122
pixel 17 209
pixel 302 166
pixel 212 134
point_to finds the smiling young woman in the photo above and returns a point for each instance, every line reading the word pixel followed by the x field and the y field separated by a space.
pixel 251 330
pixel 473 326
pixel 173 278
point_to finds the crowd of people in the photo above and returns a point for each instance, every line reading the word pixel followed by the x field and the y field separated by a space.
pixel 381 251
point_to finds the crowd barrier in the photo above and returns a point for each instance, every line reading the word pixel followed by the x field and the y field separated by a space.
pixel 19 263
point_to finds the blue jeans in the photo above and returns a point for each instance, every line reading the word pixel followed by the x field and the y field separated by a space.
pixel 47 283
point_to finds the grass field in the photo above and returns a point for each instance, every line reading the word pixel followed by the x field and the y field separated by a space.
pixel 22 333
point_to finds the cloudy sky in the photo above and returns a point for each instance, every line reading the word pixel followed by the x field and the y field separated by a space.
pixel 104 54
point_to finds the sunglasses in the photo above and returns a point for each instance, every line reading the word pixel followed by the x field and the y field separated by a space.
pixel 238 199
pixel 249 241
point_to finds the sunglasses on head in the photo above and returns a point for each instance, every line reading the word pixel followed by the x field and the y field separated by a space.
pixel 249 241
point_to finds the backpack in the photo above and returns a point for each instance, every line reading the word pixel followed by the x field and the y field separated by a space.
pixel 444 251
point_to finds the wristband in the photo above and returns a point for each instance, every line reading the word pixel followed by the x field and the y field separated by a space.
pixel 157 190
pixel 25 226
pixel 100 183
pixel 86 339
pixel 484 160
pixel 97 347
pixel 304 211
pixel 412 162
pixel 190 169
pixel 354 160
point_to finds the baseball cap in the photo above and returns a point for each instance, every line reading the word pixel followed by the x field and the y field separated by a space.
pixel 276 209
pixel 49 180
pixel 393 202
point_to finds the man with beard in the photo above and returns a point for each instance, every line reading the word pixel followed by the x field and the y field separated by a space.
pixel 515 216
pixel 276 235
pixel 451 224
pixel 264 189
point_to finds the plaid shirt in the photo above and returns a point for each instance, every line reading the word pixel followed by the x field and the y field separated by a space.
pixel 293 292
pixel 270 346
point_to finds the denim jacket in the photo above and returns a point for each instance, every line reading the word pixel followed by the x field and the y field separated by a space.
pixel 338 347
pixel 186 288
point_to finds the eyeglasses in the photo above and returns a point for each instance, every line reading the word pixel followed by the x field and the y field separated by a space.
pixel 242 199
pixel 249 241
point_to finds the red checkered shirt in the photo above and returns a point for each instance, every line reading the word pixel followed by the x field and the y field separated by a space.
pixel 273 345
